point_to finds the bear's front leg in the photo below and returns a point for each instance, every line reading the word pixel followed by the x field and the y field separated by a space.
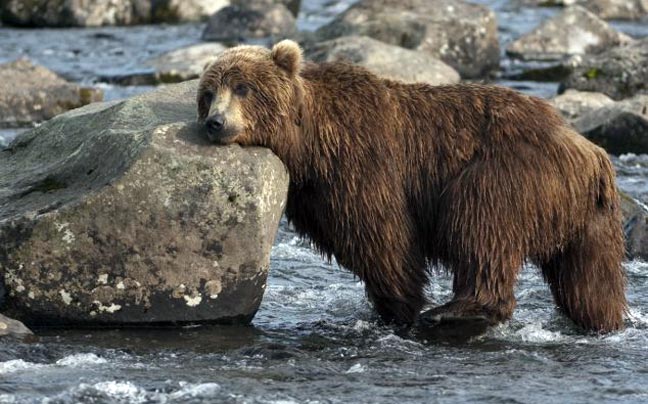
pixel 395 279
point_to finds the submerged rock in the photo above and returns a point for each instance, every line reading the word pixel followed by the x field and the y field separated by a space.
pixel 574 31
pixel 123 212
pixel 461 34
pixel 31 93
pixel 385 60
pixel 172 67
pixel 620 127
pixel 620 72
pixel 10 328
pixel 250 20
pixel 572 104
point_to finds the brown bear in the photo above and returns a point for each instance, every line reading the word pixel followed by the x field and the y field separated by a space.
pixel 392 178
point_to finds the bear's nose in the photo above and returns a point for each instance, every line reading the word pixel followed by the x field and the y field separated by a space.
pixel 215 123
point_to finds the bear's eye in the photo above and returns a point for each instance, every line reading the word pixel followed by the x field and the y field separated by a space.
pixel 241 90
pixel 208 96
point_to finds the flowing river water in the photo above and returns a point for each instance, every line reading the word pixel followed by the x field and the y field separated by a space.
pixel 315 338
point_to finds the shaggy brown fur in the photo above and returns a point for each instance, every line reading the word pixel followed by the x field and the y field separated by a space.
pixel 391 177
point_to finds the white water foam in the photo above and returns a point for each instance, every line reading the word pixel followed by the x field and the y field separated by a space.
pixel 357 368
pixel 18 365
pixel 82 359
pixel 536 334
pixel 119 391
pixel 202 390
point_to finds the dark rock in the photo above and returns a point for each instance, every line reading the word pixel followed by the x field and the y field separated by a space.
pixel 74 13
pixel 552 73
pixel 461 34
pixel 574 31
pixel 31 93
pixel 621 127
pixel 10 328
pixel 635 225
pixel 250 20
pixel 385 60
pixel 123 212
pixel 573 104
pixel 620 72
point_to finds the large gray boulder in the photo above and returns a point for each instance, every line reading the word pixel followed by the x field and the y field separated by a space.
pixel 621 127
pixel 463 35
pixel 82 13
pixel 71 13
pixel 574 31
pixel 123 212
pixel 31 93
pixel 620 72
pixel 389 61
pixel 251 20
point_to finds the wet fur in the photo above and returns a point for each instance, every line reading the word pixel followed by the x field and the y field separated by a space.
pixel 390 178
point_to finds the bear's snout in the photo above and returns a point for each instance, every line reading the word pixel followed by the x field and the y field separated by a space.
pixel 215 125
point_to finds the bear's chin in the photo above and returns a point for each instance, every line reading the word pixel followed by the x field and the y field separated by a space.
pixel 223 139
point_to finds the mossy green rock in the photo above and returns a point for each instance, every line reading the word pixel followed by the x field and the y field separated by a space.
pixel 122 213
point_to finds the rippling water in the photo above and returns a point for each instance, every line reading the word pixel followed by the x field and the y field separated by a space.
pixel 315 338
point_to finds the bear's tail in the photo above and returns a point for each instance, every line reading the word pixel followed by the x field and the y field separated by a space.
pixel 607 196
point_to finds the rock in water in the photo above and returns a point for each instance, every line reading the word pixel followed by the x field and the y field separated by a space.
pixel 618 9
pixel 620 127
pixel 575 31
pixel 74 13
pixel 386 60
pixel 635 226
pixel 462 34
pixel 250 20
pixel 573 104
pixel 31 93
pixel 12 328
pixel 123 212
pixel 619 72
pixel 175 11
pixel 172 67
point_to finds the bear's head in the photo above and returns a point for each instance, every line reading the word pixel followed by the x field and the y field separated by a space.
pixel 252 95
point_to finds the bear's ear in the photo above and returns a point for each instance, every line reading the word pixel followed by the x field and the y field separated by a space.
pixel 287 55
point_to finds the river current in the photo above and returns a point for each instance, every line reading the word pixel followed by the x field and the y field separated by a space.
pixel 315 338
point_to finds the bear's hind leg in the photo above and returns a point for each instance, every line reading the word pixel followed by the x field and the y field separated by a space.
pixel 482 293
pixel 587 279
